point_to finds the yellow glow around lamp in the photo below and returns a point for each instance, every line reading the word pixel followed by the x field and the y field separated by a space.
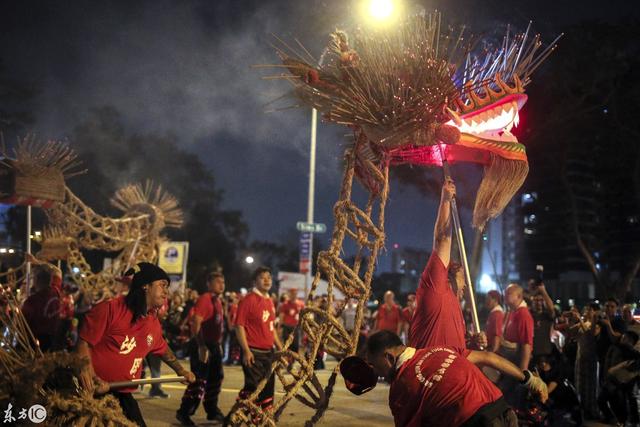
pixel 381 9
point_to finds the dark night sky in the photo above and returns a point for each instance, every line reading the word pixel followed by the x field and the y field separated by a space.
pixel 183 67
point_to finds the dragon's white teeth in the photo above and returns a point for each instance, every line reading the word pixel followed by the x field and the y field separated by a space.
pixel 501 118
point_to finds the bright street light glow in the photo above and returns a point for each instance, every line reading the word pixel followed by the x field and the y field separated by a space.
pixel 249 260
pixel 381 9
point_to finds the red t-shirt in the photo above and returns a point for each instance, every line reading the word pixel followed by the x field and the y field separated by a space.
pixel 389 318
pixel 118 346
pixel 257 314
pixel 438 386
pixel 437 319
pixel 233 314
pixel 209 307
pixel 291 312
pixel 42 310
pixel 493 328
pixel 519 326
pixel 407 314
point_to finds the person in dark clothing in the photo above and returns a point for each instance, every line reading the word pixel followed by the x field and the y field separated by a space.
pixel 616 400
pixel 612 326
pixel 543 313
pixel 563 398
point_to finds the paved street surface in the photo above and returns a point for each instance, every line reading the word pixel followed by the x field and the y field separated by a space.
pixel 345 409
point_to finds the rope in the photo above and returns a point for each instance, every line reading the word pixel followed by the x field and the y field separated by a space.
pixel 323 326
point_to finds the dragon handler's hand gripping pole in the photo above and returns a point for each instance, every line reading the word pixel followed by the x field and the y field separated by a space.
pixel 460 239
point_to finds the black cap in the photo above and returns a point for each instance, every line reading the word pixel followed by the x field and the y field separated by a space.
pixel 358 375
pixel 145 273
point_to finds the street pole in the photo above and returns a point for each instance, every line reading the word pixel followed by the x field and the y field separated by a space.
pixel 311 194
pixel 28 271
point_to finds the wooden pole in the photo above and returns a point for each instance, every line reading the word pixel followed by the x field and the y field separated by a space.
pixel 463 253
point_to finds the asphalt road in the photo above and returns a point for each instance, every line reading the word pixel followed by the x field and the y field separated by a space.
pixel 345 409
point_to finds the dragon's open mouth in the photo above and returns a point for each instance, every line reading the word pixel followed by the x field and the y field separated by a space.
pixel 493 121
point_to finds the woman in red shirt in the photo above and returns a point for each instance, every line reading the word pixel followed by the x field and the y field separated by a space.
pixel 118 334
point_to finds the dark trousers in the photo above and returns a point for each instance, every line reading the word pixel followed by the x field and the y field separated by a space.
pixel 155 363
pixel 255 373
pixel 208 382
pixel 618 402
pixel 130 407
pixel 288 330
pixel 506 419
pixel 494 414
pixel 514 393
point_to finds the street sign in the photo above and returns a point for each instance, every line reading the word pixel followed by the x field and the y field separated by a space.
pixel 311 227
pixel 306 240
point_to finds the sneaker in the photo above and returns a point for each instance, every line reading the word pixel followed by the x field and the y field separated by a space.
pixel 216 416
pixel 184 419
pixel 158 392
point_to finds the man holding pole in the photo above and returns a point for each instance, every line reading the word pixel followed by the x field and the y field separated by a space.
pixel 118 334
pixel 438 318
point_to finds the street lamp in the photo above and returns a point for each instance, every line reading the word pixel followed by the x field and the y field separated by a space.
pixel 379 13
pixel 381 9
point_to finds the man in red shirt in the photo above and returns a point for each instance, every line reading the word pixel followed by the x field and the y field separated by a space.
pixel 289 316
pixel 407 314
pixel 438 318
pixel 257 334
pixel 118 334
pixel 232 315
pixel 389 316
pixel 517 342
pixel 205 354
pixel 42 309
pixel 493 328
pixel 437 385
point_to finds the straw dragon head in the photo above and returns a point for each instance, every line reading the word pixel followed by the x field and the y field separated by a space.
pixel 421 96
